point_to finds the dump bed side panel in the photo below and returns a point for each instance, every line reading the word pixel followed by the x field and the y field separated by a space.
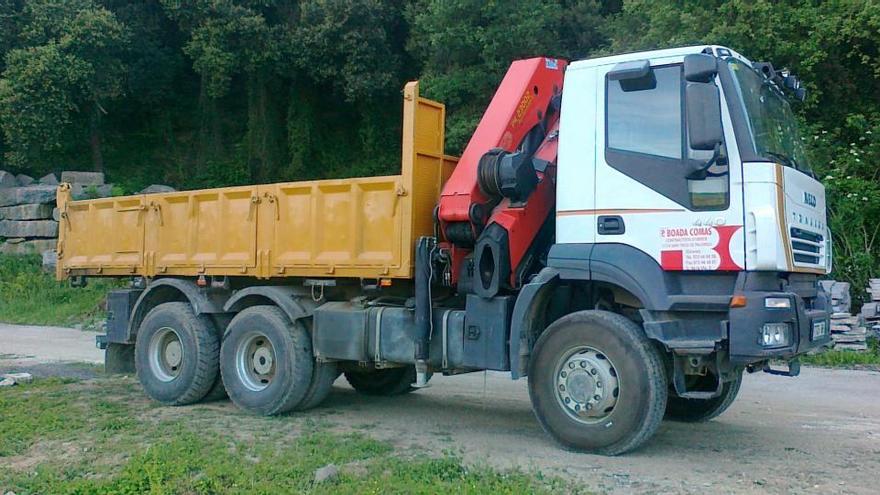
pixel 105 233
pixel 326 228
pixel 360 228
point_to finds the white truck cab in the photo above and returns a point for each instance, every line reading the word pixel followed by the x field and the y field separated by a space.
pixel 684 198
pixel 623 170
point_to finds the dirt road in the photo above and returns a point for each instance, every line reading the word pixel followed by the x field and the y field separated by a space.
pixel 818 433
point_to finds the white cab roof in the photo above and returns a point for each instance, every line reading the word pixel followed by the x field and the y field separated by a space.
pixel 651 55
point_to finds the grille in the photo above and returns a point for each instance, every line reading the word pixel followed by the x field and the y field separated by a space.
pixel 808 247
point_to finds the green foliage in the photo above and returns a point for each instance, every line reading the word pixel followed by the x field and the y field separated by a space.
pixel 466 46
pixel 48 414
pixel 30 296
pixel 838 358
pixel 67 65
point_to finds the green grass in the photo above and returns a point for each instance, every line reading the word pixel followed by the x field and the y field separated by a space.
pixel 836 358
pixel 103 437
pixel 30 296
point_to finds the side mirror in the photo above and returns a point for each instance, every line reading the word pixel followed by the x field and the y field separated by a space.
pixel 704 129
pixel 700 68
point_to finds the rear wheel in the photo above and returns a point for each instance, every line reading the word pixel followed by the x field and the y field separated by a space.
pixel 698 410
pixel 597 384
pixel 266 361
pixel 176 354
pixel 387 381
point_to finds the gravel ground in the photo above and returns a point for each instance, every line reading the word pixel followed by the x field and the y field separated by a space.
pixel 818 433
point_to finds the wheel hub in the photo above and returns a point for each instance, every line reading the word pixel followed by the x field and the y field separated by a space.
pixel 263 360
pixel 166 354
pixel 255 361
pixel 587 385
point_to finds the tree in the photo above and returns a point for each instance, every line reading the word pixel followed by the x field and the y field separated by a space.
pixel 465 47
pixel 68 65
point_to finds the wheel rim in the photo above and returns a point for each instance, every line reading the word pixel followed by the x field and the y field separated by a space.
pixel 255 361
pixel 586 385
pixel 166 354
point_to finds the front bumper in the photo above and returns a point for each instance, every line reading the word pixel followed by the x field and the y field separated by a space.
pixel 746 323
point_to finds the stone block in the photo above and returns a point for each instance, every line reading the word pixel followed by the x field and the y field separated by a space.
pixel 157 188
pixel 24 180
pixel 27 195
pixel 50 260
pixel 39 211
pixel 49 180
pixel 85 178
pixel 35 228
pixel 7 180
pixel 56 214
pixel 81 191
pixel 35 246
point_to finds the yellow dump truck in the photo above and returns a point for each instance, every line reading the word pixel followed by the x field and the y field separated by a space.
pixel 360 228
pixel 571 243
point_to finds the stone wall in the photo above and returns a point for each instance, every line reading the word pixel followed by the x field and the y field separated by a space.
pixel 29 220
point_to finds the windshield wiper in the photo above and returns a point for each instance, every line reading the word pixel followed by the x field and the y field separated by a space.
pixel 785 159
pixel 791 162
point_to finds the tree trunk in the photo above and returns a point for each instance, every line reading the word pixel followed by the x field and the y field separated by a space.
pixel 95 139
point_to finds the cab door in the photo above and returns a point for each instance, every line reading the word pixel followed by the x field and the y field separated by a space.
pixel 647 196
pixel 576 174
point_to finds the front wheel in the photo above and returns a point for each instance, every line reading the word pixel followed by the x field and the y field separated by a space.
pixel 699 410
pixel 597 384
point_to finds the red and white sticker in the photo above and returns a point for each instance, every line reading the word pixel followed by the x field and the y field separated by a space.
pixel 698 248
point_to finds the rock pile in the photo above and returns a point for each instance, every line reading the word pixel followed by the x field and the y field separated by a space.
pixel 839 292
pixel 848 333
pixel 871 310
pixel 28 216
pixel 27 222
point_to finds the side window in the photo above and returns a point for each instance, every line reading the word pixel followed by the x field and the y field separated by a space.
pixel 646 139
pixel 647 121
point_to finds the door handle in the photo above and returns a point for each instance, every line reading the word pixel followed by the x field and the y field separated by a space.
pixel 611 225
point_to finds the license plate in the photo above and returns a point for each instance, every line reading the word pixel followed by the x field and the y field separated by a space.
pixel 820 329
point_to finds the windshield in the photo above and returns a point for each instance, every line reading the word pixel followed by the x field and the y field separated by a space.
pixel 771 121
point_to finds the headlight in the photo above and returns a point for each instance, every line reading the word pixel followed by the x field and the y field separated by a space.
pixel 777 302
pixel 775 335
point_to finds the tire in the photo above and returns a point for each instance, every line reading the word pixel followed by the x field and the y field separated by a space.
pixel 597 383
pixel 699 410
pixel 217 392
pixel 323 376
pixel 266 361
pixel 176 354
pixel 385 382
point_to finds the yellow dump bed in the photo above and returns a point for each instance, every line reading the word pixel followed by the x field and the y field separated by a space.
pixel 362 228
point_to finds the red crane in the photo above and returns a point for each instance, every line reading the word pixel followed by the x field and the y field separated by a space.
pixel 503 189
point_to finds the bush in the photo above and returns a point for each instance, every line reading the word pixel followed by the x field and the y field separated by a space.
pixel 28 295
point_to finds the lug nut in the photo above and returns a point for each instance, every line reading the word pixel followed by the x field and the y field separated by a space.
pixel 571 365
pixel 597 397
pixel 564 374
pixel 594 371
pixel 567 400
pixel 583 364
pixel 598 384
pixel 562 388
